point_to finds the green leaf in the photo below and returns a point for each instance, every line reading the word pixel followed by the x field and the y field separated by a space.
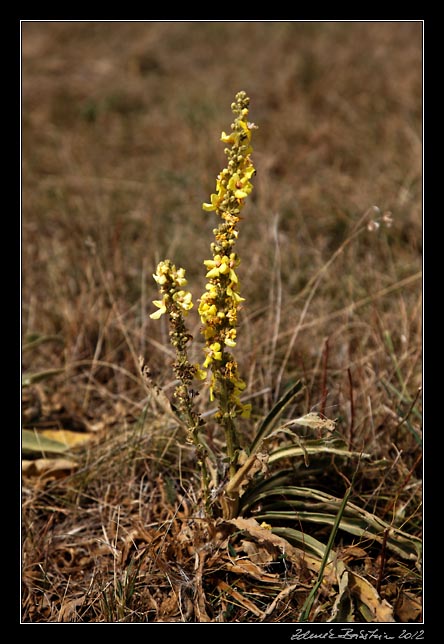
pixel 314 447
pixel 304 541
pixel 290 503
pixel 272 417
pixel 34 340
pixel 30 378
pixel 33 442
pixel 337 519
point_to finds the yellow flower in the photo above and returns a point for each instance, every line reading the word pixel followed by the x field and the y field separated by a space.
pixel 160 279
pixel 199 373
pixel 208 310
pixel 218 266
pixel 161 305
pixel 227 138
pixel 235 296
pixel 265 525
pixel 180 277
pixel 184 300
pixel 238 383
pixel 230 337
pixel 222 265
pixel 170 279
pixel 233 277
pixel 233 182
pixel 213 353
pixel 209 331
pixel 208 207
pixel 246 131
pixel 240 184
pixel 220 185
pixel 249 171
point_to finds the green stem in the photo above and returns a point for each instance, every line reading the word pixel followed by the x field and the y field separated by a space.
pixel 227 421
pixel 193 422
pixel 311 596
pixel 230 436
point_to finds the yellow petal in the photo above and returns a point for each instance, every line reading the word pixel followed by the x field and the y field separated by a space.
pixel 249 172
pixel 233 181
pixel 227 138
pixel 162 309
pixel 160 279
pixel 265 525
pixel 201 374
pixel 214 272
pixel 157 314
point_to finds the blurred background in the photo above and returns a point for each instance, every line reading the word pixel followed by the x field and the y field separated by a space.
pixel 120 127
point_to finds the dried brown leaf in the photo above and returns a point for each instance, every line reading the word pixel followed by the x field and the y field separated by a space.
pixel 408 607
pixel 257 554
pixel 200 605
pixel 283 547
pixel 243 601
pixel 48 467
pixel 342 608
pixel 246 567
pixel 68 610
pixel 280 597
pixel 374 608
pixel 67 437
pixel 315 421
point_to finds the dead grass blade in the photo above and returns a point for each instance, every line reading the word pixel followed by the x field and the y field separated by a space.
pixel 240 599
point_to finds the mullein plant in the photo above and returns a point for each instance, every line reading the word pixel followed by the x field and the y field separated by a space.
pixel 248 482
pixel 218 306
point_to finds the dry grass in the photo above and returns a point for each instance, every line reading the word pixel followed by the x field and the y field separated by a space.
pixel 120 127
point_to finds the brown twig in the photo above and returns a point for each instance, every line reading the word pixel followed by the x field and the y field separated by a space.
pixel 324 389
pixel 352 411
pixel 382 564
pixel 391 503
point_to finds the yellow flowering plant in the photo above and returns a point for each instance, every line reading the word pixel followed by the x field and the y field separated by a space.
pixel 219 304
pixel 218 309
pixel 248 484
pixel 245 485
